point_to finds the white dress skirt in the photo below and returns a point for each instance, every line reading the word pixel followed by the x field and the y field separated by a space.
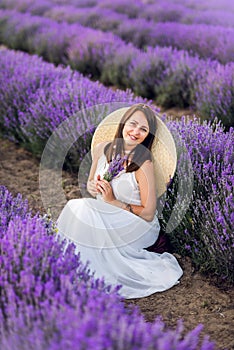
pixel 113 240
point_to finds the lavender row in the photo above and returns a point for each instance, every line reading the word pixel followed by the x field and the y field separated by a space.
pixel 206 232
pixel 95 17
pixel 209 12
pixel 210 4
pixel 161 11
pixel 59 42
pixel 49 297
pixel 138 8
pixel 173 12
pixel 36 97
pixel 182 10
pixel 214 42
pixel 171 77
pixel 217 41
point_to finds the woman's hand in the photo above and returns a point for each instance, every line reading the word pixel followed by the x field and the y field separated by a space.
pixel 91 183
pixel 104 187
pixel 91 187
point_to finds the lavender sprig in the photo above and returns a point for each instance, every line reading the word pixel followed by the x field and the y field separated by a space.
pixel 115 167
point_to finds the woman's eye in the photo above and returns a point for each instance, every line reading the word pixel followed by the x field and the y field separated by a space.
pixel 143 129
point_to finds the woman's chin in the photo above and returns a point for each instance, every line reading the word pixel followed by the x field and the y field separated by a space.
pixel 130 143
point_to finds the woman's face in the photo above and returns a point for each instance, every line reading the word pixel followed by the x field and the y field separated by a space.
pixel 135 130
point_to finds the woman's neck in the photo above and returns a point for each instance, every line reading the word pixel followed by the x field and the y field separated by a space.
pixel 128 148
pixel 127 151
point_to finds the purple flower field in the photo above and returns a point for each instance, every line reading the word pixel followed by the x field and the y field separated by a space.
pixel 173 74
pixel 206 232
pixel 207 40
pixel 37 99
pixel 49 300
pixel 173 54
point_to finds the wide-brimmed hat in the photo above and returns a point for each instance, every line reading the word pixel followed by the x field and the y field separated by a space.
pixel 163 149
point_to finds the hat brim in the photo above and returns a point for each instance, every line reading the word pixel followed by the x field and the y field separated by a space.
pixel 163 148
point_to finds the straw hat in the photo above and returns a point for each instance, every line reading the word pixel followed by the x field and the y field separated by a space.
pixel 163 149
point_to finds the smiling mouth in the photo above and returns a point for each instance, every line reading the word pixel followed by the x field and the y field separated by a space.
pixel 132 137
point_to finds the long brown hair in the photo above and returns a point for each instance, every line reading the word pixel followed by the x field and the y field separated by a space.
pixel 141 152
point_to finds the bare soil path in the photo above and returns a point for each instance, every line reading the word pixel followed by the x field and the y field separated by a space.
pixel 195 300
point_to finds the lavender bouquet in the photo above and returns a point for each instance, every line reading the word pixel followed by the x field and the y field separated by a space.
pixel 115 167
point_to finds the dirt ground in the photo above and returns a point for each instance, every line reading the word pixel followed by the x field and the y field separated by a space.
pixel 195 299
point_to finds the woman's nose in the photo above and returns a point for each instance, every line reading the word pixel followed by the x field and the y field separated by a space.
pixel 136 131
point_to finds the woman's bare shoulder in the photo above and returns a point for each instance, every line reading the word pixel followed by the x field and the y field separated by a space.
pixel 148 164
pixel 146 169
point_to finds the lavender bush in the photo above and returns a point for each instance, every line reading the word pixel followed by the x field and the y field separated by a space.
pixel 214 4
pixel 39 35
pixel 90 55
pixel 206 232
pixel 49 299
pixel 93 17
pixel 34 7
pixel 171 82
pixel 83 48
pixel 148 71
pixel 117 68
pixel 21 77
pixel 11 207
pixel 215 96
pixel 119 6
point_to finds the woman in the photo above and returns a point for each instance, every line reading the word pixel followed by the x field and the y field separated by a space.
pixel 112 231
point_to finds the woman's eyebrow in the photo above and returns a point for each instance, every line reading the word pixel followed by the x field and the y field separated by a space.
pixel 144 126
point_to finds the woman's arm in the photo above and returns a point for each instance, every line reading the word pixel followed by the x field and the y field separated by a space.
pixel 145 177
pixel 91 183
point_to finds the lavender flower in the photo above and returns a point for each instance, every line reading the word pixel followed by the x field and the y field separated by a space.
pixel 115 167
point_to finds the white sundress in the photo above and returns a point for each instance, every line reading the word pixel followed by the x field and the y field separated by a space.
pixel 113 240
